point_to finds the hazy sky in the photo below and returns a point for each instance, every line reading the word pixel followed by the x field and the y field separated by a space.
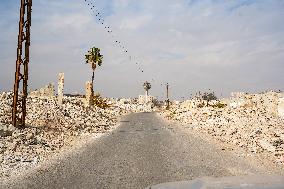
pixel 192 44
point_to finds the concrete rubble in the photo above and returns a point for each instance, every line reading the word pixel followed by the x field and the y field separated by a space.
pixel 60 89
pixel 89 101
pixel 47 91
pixel 134 106
pixel 51 126
pixel 250 121
pixel 142 99
pixel 281 107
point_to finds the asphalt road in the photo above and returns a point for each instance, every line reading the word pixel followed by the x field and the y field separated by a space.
pixel 142 151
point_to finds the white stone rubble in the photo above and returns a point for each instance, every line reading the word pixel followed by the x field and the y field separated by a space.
pixel 51 126
pixel 252 121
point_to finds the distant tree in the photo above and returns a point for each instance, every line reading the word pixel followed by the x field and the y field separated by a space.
pixel 94 58
pixel 208 96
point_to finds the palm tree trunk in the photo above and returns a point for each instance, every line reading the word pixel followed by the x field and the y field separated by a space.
pixel 93 77
pixel 146 96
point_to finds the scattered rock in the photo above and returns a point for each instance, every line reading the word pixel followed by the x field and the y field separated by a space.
pixel 5 133
pixel 29 136
pixel 250 121
pixel 267 146
pixel 51 126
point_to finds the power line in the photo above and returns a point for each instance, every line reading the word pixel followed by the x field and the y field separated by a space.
pixel 108 29
pixel 116 41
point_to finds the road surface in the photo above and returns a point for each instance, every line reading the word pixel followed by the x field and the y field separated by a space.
pixel 144 150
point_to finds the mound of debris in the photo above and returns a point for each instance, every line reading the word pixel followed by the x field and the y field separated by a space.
pixel 250 121
pixel 49 128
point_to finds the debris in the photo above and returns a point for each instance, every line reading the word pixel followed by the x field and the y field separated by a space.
pixel 51 126
pixel 250 121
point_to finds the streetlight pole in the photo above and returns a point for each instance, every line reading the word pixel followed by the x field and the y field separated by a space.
pixel 168 100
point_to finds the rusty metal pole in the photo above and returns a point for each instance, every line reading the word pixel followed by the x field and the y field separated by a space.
pixel 19 100
pixel 168 100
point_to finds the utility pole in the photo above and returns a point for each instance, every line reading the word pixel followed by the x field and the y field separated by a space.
pixel 168 100
pixel 23 57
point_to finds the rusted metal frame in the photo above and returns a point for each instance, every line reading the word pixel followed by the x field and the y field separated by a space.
pixel 26 60
pixel 23 39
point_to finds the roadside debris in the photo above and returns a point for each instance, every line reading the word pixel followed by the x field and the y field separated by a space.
pixel 250 121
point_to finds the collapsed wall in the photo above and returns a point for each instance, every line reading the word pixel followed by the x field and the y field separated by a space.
pixel 46 91
pixel 50 126
pixel 269 103
pixel 251 121
pixel 142 99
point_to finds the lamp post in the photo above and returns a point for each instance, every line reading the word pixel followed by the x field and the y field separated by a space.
pixel 168 100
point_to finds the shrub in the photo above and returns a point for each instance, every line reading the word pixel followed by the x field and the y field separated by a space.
pixel 100 102
pixel 219 105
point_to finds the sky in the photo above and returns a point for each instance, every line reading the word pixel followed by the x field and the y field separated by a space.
pixel 194 45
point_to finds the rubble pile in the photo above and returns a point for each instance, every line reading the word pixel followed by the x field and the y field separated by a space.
pixel 132 105
pixel 49 127
pixel 252 124
pixel 47 91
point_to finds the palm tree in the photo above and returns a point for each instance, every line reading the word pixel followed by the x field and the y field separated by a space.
pixel 147 87
pixel 94 58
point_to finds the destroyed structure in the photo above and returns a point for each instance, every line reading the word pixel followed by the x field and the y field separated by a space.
pixel 143 99
pixel 47 91
pixel 60 88
pixel 89 101
pixel 253 122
